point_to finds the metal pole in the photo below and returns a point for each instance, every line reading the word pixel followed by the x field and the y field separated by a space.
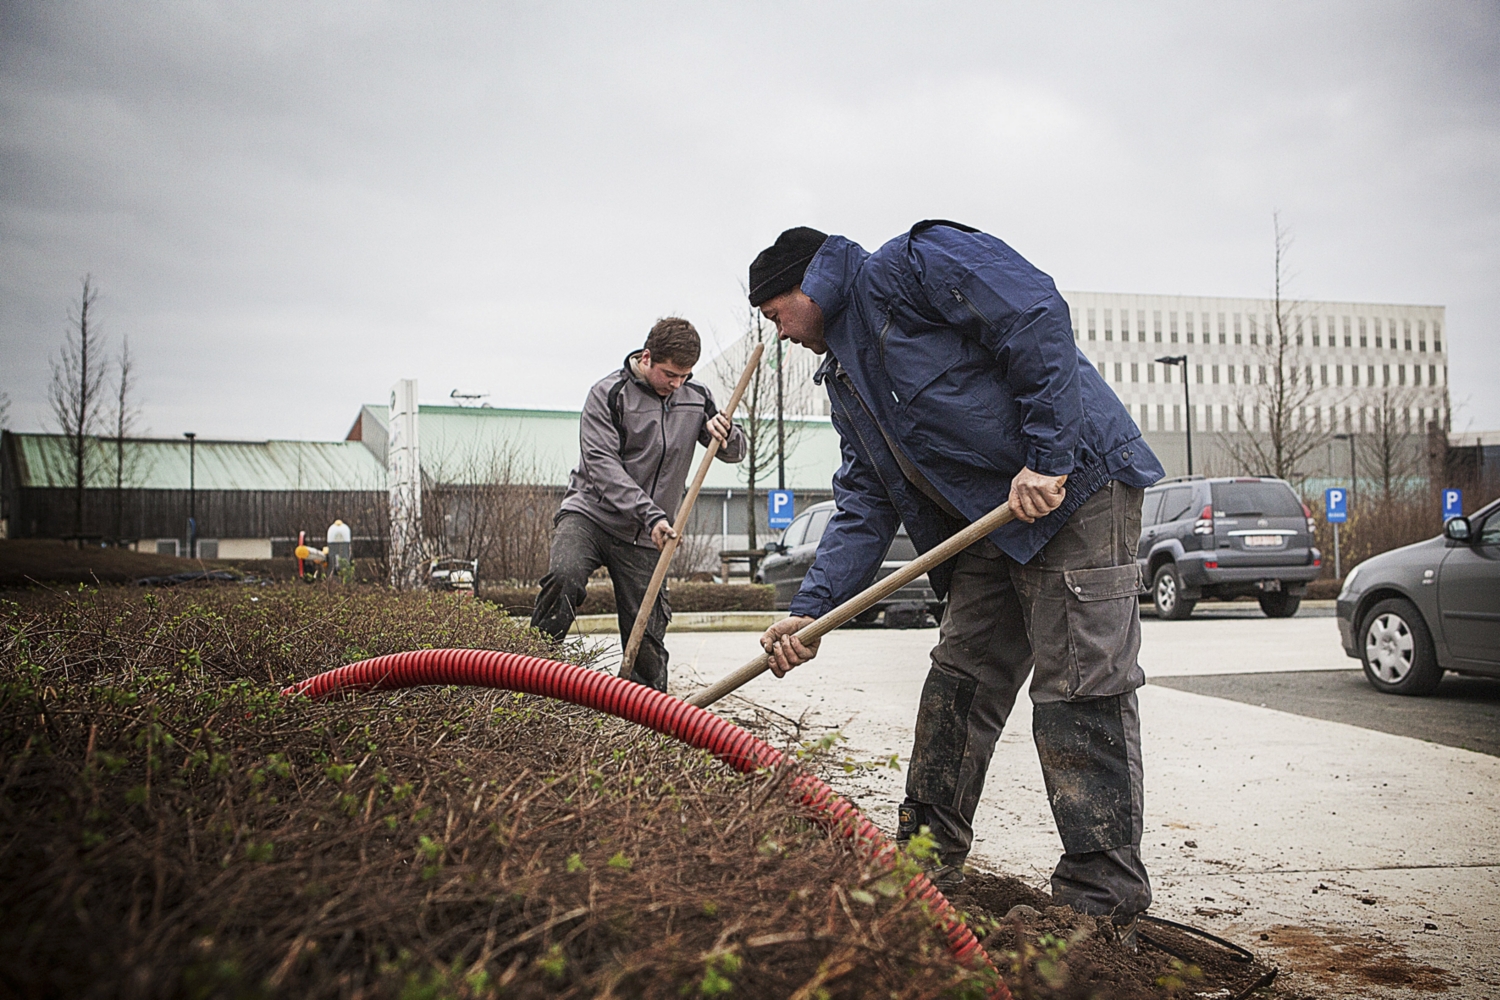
pixel 192 538
pixel 1187 404
pixel 1187 400
pixel 780 430
pixel 1338 569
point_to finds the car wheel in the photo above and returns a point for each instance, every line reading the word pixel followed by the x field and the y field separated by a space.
pixel 904 618
pixel 1397 651
pixel 1166 594
pixel 1279 605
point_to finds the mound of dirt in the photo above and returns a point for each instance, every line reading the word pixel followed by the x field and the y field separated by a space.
pixel 1056 953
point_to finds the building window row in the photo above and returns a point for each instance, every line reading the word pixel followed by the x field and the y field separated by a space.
pixel 1324 375
pixel 1348 419
pixel 1250 327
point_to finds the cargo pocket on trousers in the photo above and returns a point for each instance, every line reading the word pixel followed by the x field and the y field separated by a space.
pixel 1104 629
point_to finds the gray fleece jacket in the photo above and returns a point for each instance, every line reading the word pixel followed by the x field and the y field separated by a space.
pixel 636 450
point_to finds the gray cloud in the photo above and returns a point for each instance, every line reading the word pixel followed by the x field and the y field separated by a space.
pixel 287 209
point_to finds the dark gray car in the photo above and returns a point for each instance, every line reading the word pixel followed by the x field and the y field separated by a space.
pixel 1226 538
pixel 1411 613
pixel 788 560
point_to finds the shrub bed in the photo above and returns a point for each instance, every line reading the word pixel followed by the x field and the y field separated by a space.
pixel 684 595
pixel 170 826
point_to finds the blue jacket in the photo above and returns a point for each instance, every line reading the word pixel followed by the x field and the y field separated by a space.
pixel 962 352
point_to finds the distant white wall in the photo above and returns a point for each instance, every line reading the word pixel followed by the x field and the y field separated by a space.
pixel 244 548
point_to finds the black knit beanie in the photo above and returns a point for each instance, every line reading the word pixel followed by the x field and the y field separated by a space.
pixel 780 267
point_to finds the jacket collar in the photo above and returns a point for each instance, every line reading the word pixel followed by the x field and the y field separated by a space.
pixel 830 276
pixel 629 368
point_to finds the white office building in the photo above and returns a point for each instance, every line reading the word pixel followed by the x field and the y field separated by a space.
pixel 1347 351
pixel 1346 364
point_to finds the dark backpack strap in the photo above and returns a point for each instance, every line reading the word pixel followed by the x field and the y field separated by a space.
pixel 616 404
pixel 709 409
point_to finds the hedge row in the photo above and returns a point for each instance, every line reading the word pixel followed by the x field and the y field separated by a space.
pixel 684 595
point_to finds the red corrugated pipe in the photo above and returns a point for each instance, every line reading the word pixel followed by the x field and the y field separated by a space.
pixel 665 714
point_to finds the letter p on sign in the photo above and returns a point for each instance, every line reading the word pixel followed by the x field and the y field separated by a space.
pixel 1336 505
pixel 780 508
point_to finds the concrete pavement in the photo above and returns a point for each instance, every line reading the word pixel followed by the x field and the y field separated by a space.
pixel 1371 854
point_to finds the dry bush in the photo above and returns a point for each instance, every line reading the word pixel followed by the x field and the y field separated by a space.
pixel 488 506
pixel 172 827
pixel 684 595
pixel 1378 524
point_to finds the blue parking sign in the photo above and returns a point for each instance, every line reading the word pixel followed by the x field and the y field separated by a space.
pixel 1453 504
pixel 780 508
pixel 1336 505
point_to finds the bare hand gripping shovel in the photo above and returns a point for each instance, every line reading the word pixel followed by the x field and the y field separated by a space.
pixel 648 603
pixel 862 601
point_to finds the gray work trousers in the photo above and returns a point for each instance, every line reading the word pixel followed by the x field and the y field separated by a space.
pixel 1072 615
pixel 580 546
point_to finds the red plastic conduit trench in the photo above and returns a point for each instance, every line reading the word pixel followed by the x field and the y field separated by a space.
pixel 665 714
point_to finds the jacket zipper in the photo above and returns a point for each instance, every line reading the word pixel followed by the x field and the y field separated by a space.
pixel 661 459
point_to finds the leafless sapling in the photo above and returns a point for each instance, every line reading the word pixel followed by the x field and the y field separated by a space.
pixel 77 392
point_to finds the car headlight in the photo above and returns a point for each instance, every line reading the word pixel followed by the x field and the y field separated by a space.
pixel 1349 582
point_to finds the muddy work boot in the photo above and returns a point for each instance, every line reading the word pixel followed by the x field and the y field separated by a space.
pixel 911 822
pixel 945 877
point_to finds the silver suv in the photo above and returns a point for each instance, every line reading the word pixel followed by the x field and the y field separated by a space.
pixel 1226 538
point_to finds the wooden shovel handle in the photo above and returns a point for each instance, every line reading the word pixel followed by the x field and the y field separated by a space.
pixel 862 601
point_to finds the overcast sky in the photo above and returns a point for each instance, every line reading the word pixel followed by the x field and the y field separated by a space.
pixel 288 206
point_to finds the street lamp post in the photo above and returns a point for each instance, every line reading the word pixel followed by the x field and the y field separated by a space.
pixel 192 539
pixel 1187 402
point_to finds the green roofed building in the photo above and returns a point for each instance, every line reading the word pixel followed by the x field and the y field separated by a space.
pixel 252 498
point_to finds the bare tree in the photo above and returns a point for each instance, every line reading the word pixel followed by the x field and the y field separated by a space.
pixel 77 388
pixel 1274 432
pixel 767 439
pixel 1392 452
pixel 494 506
pixel 124 416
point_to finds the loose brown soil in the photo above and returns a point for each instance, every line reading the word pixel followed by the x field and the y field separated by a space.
pixel 1354 964
pixel 1060 954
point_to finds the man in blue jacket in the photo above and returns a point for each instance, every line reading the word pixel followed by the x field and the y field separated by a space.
pixel 956 385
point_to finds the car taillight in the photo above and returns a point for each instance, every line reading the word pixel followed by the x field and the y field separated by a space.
pixel 1312 526
pixel 1205 523
pixel 1211 564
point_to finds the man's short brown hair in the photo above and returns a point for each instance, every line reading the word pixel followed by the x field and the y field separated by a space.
pixel 674 340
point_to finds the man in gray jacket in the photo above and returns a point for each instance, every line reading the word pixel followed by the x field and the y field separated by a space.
pixel 636 438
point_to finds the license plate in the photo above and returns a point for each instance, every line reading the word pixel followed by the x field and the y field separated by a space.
pixel 1262 541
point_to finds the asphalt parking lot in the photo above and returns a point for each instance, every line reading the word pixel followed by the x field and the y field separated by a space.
pixel 1464 712
pixel 1284 797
